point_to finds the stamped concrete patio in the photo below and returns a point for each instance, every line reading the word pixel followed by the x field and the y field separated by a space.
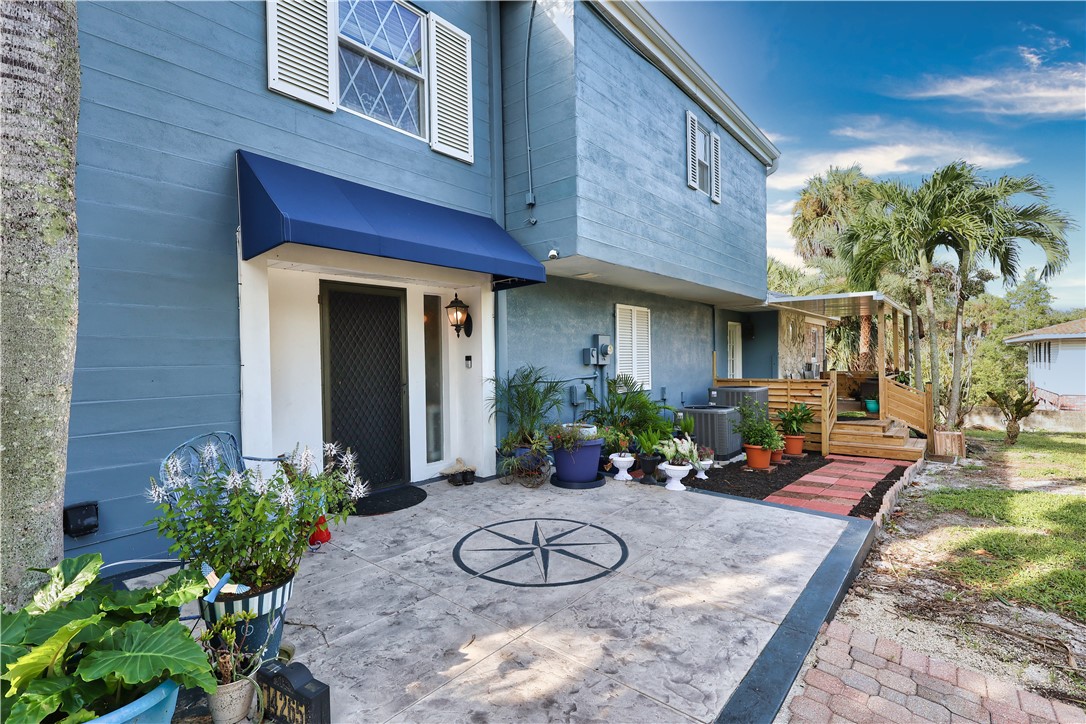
pixel 625 603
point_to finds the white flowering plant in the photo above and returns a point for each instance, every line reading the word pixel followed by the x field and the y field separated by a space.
pixel 253 526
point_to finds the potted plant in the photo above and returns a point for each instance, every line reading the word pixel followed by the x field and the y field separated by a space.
pixel 575 456
pixel 792 423
pixel 776 448
pixel 647 440
pixel 704 461
pixel 232 667
pixel 252 526
pixel 680 454
pixel 626 407
pixel 81 650
pixel 685 427
pixel 525 398
pixel 757 432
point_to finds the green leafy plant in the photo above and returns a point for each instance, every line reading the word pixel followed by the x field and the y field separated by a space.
pixel 254 527
pixel 614 439
pixel 647 440
pixel 678 451
pixel 754 426
pixel 80 650
pixel 793 420
pixel 686 425
pixel 566 437
pixel 627 408
pixel 1015 407
pixel 526 398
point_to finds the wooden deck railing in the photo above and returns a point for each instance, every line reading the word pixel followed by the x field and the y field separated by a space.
pixel 819 395
pixel 908 405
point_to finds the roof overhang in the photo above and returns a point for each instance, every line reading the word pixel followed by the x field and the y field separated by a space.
pixel 646 33
pixel 280 203
pixel 1025 339
pixel 836 306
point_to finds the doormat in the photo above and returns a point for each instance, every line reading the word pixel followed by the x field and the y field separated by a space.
pixel 389 501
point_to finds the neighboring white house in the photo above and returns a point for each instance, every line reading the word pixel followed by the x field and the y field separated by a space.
pixel 1057 363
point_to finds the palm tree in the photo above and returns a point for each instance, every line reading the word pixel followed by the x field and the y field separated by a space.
pixel 1004 225
pixel 39 94
pixel 899 228
pixel 824 210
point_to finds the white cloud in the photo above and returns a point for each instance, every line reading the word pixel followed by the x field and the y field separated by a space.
pixel 777 138
pixel 779 242
pixel 888 149
pixel 1036 89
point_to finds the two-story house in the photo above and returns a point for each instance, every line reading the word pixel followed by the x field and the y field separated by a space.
pixel 282 204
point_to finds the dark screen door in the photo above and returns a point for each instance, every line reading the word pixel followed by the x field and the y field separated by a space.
pixel 365 378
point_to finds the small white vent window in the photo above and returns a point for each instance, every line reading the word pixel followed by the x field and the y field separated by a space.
pixel 633 343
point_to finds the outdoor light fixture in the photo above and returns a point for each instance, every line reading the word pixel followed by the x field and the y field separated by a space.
pixel 458 316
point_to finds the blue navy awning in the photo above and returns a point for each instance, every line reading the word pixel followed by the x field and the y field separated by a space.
pixel 281 203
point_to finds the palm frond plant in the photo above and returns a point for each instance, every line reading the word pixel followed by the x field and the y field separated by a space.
pixel 1015 408
pixel 526 398
pixel 627 408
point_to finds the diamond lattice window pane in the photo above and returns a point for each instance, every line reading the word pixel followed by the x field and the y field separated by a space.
pixel 380 92
pixel 384 27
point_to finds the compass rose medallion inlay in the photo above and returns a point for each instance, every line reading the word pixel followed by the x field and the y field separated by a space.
pixel 540 552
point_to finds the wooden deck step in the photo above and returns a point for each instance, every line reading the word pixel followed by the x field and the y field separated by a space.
pixel 870 427
pixel 894 435
pixel 912 450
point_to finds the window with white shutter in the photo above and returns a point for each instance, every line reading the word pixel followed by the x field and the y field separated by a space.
pixel 451 127
pixel 702 158
pixel 715 159
pixel 302 51
pixel 382 59
pixel 633 343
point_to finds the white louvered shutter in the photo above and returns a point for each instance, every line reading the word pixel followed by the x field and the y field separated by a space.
pixel 451 119
pixel 642 347
pixel 302 51
pixel 715 158
pixel 691 150
pixel 633 343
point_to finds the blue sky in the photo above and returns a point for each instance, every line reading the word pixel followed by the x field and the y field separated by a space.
pixel 903 88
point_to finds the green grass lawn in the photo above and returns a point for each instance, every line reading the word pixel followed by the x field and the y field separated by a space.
pixel 1039 455
pixel 1036 553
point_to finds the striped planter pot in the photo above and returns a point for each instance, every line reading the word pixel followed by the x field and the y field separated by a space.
pixel 271 609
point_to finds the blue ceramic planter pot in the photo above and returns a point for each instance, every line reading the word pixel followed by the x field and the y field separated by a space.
pixel 154 707
pixel 270 608
pixel 871 405
pixel 580 465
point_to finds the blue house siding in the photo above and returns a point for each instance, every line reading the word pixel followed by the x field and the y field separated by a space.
pixel 170 92
pixel 633 203
pixel 551 323
pixel 552 105
pixel 761 353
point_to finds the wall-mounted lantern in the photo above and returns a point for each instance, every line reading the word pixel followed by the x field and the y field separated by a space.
pixel 458 316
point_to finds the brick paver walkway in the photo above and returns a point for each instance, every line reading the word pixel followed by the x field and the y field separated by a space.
pixel 837 487
pixel 860 678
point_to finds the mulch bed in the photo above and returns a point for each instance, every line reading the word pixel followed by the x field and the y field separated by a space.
pixel 732 479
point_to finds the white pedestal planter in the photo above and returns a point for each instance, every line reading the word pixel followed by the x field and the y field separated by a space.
pixel 623 463
pixel 675 473
pixel 703 465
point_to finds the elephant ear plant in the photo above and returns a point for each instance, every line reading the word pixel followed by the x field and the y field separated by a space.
pixel 80 649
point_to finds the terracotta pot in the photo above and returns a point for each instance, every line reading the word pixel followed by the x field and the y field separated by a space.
pixel 757 457
pixel 793 444
pixel 775 456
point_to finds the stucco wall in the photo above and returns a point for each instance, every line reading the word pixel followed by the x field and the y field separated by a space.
pixel 990 418
pixel 550 324
pixel 170 92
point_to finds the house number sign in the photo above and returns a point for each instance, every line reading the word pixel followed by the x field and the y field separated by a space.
pixel 292 695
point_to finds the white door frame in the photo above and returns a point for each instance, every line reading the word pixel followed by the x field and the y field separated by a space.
pixel 735 350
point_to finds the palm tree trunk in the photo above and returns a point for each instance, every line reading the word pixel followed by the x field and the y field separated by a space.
pixel 914 331
pixel 867 359
pixel 933 345
pixel 955 404
pixel 39 93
